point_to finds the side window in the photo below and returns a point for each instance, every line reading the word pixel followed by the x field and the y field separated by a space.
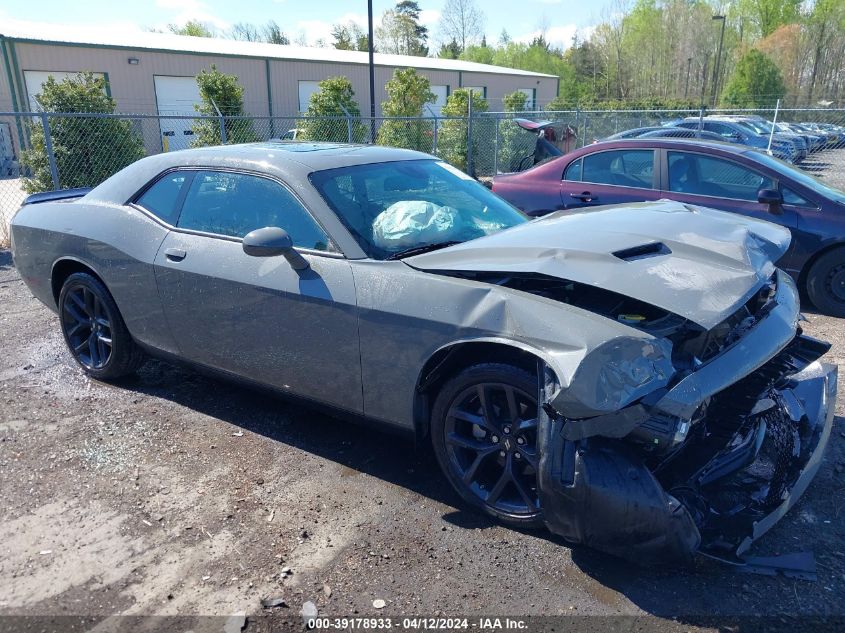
pixel 790 197
pixel 709 176
pixel 234 204
pixel 573 171
pixel 162 198
pixel 624 168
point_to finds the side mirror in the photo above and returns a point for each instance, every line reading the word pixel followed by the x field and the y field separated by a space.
pixel 773 198
pixel 271 241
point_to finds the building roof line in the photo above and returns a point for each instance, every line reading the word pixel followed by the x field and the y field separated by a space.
pixel 165 42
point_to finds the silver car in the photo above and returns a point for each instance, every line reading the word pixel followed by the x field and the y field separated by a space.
pixel 631 377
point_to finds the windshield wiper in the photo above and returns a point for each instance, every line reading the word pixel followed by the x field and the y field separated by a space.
pixel 424 248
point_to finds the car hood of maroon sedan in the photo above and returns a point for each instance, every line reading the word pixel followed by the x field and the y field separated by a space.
pixel 696 262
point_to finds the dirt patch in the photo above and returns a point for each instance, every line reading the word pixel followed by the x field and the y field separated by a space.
pixel 176 494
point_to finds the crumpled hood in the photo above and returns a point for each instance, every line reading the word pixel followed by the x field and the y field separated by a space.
pixel 710 262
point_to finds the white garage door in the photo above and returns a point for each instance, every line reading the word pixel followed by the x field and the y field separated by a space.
pixel 441 92
pixel 176 95
pixel 35 79
pixel 529 102
pixel 306 89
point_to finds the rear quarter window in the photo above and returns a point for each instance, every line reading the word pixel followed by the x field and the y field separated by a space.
pixel 162 198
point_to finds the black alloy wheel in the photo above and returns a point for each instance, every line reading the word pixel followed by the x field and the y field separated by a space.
pixel 826 283
pixel 94 330
pixel 485 438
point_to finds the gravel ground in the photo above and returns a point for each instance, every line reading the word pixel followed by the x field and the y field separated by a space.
pixel 174 493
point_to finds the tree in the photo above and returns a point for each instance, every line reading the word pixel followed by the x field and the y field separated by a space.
pixel 246 32
pixel 452 50
pixel 452 145
pixel 274 35
pixel 461 21
pixel 514 142
pixel 335 95
pixel 768 15
pixel 400 32
pixel 408 92
pixel 194 28
pixel 221 95
pixel 349 37
pixel 756 82
pixel 87 151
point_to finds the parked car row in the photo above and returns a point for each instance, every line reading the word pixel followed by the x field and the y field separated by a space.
pixel 791 142
pixel 726 176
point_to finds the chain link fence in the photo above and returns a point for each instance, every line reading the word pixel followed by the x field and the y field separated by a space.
pixel 44 151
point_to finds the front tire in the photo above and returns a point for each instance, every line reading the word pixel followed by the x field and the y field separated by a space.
pixel 826 283
pixel 484 433
pixel 94 330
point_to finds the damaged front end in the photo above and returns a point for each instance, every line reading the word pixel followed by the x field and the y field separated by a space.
pixel 703 459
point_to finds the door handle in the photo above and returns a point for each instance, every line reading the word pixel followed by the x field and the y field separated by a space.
pixel 175 254
pixel 584 196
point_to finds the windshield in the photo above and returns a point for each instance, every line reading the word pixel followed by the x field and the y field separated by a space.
pixel 801 177
pixel 401 206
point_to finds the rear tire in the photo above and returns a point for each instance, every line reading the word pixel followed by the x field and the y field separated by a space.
pixel 484 433
pixel 826 283
pixel 94 330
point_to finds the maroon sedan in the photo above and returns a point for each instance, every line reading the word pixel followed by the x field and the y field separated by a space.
pixel 716 175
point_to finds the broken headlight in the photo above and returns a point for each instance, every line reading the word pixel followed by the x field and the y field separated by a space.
pixel 614 375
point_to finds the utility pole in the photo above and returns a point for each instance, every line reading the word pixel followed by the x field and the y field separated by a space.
pixel 715 82
pixel 686 89
pixel 370 46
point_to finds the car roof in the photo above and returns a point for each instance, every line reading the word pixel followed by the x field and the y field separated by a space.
pixel 312 154
pixel 668 142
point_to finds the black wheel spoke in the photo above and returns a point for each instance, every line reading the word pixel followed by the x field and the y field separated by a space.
pixel 80 303
pixel 523 493
pixel 513 408
pixel 469 475
pixel 504 479
pixel 75 314
pixel 467 416
pixel 472 444
pixel 89 299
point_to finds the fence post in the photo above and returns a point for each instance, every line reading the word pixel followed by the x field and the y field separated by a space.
pixel 469 134
pixel 586 127
pixel 48 144
pixel 434 131
pixel 496 149
pixel 349 124
pixel 223 139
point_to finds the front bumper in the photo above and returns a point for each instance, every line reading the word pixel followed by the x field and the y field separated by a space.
pixel 762 415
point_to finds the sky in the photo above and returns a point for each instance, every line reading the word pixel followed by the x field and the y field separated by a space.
pixel 523 20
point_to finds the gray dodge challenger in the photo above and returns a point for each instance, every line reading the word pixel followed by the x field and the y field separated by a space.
pixel 633 377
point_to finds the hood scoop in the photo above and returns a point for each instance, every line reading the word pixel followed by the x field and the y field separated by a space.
pixel 641 252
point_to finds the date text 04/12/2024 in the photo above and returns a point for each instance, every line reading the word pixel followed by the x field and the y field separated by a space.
pixel 419 623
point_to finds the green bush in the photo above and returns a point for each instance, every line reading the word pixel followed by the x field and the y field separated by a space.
pixel 408 92
pixel 335 95
pixel 87 150
pixel 452 141
pixel 514 142
pixel 221 90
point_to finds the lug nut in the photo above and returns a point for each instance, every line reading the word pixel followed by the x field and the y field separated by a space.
pixel 507 430
pixel 494 439
pixel 517 456
pixel 520 440
pixel 501 453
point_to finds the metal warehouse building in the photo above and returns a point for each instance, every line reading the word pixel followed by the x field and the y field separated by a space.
pixel 154 73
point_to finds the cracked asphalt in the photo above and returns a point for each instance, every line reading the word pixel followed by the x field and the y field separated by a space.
pixel 174 493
